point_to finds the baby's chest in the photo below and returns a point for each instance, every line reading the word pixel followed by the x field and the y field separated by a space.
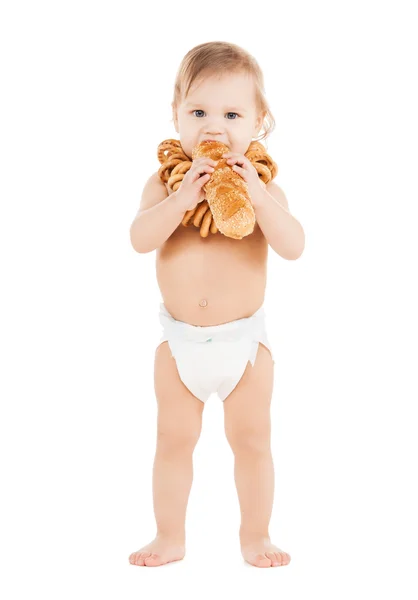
pixel 217 249
pixel 218 241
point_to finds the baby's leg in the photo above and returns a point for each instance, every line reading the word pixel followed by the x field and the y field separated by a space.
pixel 248 428
pixel 178 430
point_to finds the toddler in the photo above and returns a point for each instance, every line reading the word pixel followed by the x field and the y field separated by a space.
pixel 214 336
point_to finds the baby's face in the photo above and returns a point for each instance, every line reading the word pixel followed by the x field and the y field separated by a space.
pixel 219 108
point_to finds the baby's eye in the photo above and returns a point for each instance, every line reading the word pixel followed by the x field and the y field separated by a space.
pixel 201 111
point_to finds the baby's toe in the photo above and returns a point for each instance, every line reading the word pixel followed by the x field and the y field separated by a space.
pixel 272 556
pixel 140 557
pixel 153 560
pixel 133 557
pixel 143 558
pixel 261 560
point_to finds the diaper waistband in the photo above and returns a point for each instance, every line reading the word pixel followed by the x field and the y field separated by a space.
pixel 233 330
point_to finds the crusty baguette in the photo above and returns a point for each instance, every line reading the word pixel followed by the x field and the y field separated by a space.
pixel 227 194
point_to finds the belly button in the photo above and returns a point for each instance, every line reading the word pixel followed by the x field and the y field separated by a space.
pixel 203 303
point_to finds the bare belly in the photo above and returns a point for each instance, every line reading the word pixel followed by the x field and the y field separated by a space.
pixel 213 280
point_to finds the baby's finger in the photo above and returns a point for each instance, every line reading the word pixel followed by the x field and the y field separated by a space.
pixel 197 170
pixel 206 160
pixel 204 179
pixel 205 169
pixel 236 161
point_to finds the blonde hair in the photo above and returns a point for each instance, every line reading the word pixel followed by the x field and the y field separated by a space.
pixel 221 58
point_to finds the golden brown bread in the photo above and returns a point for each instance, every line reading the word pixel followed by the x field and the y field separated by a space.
pixel 227 206
pixel 226 193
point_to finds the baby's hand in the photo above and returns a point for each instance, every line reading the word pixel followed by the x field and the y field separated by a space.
pixel 190 192
pixel 244 167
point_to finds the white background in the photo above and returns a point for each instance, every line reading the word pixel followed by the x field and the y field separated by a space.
pixel 86 93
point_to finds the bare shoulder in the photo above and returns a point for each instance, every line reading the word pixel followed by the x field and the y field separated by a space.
pixel 278 194
pixel 154 191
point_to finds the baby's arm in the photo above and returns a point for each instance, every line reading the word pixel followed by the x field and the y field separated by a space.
pixel 158 216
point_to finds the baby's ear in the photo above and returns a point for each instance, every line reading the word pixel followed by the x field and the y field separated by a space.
pixel 175 121
pixel 259 122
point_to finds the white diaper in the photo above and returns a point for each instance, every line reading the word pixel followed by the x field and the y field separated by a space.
pixel 213 359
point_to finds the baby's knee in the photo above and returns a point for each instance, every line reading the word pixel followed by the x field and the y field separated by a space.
pixel 177 439
pixel 250 440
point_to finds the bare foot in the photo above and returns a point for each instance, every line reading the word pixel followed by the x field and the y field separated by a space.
pixel 159 552
pixel 260 552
